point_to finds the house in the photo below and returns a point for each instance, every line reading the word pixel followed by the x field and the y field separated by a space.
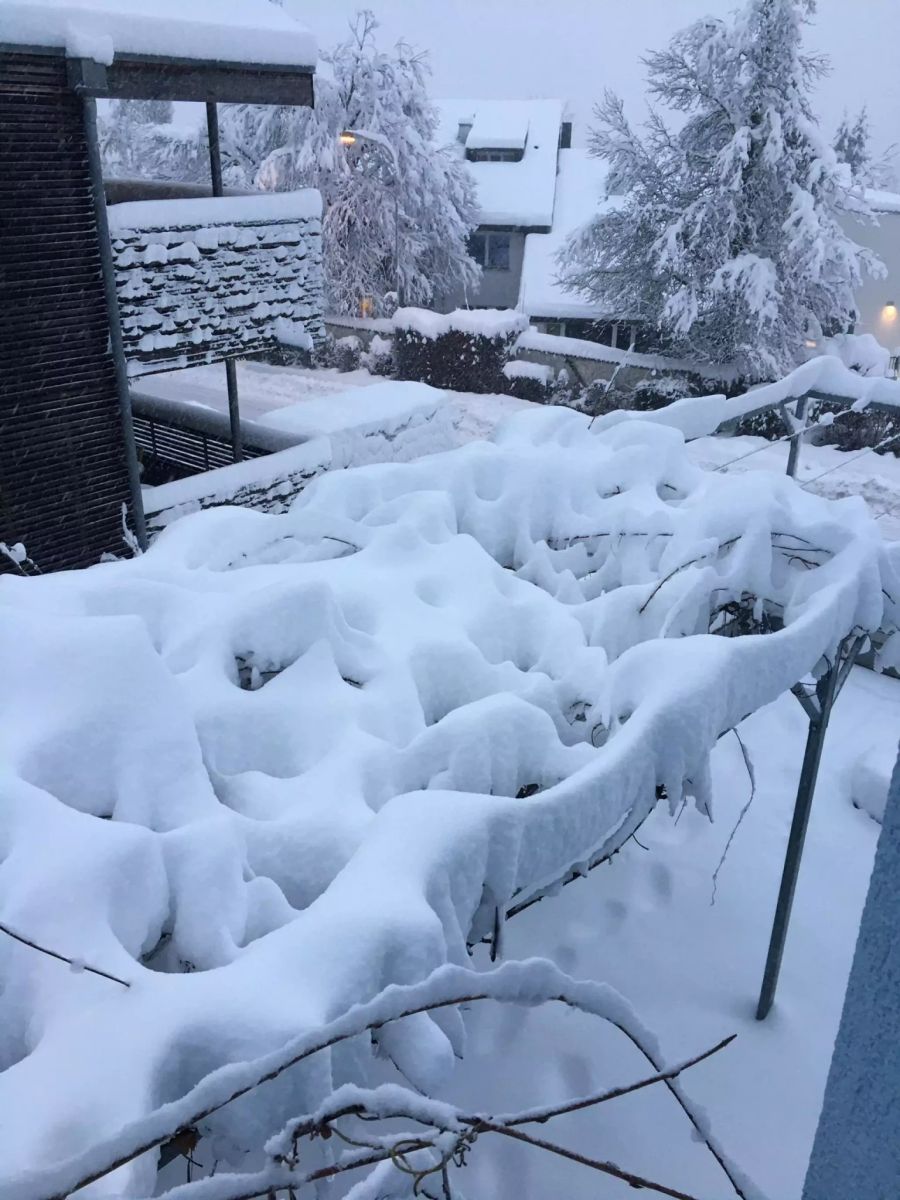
pixel 535 189
pixel 512 148
pixel 68 461
pixel 878 300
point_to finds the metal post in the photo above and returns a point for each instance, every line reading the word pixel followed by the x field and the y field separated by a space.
pixel 215 150
pixel 117 346
pixel 827 690
pixel 234 412
pixel 794 452
pixel 231 383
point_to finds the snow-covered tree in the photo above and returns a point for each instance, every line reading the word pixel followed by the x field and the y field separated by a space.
pixel 852 145
pixel 397 208
pixel 139 139
pixel 727 236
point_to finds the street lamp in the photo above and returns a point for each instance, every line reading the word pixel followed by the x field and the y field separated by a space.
pixel 348 138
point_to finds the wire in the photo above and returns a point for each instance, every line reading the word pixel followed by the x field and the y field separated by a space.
pixel 847 462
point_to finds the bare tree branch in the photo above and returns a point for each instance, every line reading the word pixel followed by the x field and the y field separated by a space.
pixel 74 963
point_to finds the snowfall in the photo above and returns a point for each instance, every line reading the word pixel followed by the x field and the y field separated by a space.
pixel 282 761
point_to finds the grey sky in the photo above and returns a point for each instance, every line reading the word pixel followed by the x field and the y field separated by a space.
pixel 574 48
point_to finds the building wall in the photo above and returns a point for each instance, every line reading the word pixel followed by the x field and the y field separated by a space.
pixel 499 289
pixel 856 1152
pixel 874 295
pixel 63 473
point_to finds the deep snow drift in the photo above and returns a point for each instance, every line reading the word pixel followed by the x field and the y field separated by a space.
pixel 279 762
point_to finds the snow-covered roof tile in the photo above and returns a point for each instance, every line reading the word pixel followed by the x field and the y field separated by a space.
pixel 509 193
pixel 580 191
pixel 241 31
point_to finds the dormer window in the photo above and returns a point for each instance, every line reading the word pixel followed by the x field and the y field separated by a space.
pixel 495 154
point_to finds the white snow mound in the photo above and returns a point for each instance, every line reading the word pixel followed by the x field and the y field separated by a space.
pixel 279 762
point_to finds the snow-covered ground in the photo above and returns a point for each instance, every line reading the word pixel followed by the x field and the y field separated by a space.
pixel 264 388
pixel 822 469
pixel 646 924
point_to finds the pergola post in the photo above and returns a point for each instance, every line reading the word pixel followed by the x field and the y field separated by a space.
pixel 819 710
pixel 231 383
pixel 117 346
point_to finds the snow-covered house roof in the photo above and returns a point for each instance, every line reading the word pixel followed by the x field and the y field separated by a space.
pixel 521 193
pixel 241 31
pixel 580 193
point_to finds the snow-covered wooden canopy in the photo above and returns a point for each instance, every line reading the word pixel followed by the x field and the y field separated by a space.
pixel 245 50
pixel 279 762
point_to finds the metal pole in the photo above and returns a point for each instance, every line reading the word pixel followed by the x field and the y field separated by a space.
pixel 234 412
pixel 117 346
pixel 231 383
pixel 215 149
pixel 794 451
pixel 826 691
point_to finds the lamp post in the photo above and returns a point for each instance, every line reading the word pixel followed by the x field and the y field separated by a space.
pixel 348 138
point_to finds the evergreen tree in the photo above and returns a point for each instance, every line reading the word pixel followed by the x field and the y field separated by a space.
pixel 139 140
pixel 397 208
pixel 852 145
pixel 727 238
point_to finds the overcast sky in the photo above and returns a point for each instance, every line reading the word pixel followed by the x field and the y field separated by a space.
pixel 573 49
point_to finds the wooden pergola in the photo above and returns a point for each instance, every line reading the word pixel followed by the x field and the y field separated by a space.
pixel 68 465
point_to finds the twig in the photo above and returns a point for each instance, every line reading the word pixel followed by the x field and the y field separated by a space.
pixel 749 765
pixel 74 963
pixel 539 1115
pixel 607 1168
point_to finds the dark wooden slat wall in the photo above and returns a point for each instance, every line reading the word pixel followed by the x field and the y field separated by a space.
pixel 63 476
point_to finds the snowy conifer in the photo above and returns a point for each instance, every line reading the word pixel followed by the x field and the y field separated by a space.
pixel 727 238
pixel 852 145
pixel 393 197
pixel 139 139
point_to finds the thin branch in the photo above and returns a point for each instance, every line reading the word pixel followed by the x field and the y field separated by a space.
pixel 75 964
pixel 540 1115
pixel 750 771
pixel 607 1168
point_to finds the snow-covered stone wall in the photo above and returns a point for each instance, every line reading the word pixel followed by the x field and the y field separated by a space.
pixel 201 280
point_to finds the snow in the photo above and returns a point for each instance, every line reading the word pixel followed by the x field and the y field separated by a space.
pixel 870 777
pixel 883 202
pixel 693 970
pixel 484 322
pixel 197 213
pixel 502 125
pixel 580 185
pixel 567 347
pixel 242 31
pixel 510 193
pixel 860 351
pixel 281 761
pixel 518 368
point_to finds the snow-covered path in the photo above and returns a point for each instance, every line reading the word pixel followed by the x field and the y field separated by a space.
pixel 645 923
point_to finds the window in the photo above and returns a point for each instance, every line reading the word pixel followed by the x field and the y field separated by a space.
pixel 490 250
pixel 511 155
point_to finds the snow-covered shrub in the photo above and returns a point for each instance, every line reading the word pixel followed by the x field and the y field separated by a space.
pixel 857 430
pixel 463 351
pixel 347 353
pixel 528 380
pixel 861 352
pixel 378 358
pixel 650 393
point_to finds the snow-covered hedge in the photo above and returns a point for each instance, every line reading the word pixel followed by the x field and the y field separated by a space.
pixel 464 351
pixel 280 762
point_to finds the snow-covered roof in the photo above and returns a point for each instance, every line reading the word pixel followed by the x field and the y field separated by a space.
pixel 883 202
pixel 509 193
pixel 241 31
pixel 499 126
pixel 580 187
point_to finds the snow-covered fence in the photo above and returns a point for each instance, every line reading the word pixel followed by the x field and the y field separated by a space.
pixel 201 280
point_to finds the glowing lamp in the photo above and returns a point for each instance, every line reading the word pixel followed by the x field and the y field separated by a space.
pixel 347 137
